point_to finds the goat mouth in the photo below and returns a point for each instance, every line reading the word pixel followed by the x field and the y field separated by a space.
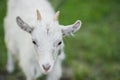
pixel 46 72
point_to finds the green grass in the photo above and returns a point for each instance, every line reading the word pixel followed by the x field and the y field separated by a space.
pixel 2 44
pixel 93 53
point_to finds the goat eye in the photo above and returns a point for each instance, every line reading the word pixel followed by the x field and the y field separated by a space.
pixel 34 42
pixel 59 43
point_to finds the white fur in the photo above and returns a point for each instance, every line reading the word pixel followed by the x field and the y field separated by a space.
pixel 19 43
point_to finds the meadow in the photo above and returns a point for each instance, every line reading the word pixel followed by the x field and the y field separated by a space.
pixel 93 53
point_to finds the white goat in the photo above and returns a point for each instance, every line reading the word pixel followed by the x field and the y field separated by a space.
pixel 37 43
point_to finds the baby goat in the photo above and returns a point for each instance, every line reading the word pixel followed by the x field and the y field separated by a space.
pixel 35 38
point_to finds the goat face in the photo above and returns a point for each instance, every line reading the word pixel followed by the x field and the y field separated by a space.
pixel 47 39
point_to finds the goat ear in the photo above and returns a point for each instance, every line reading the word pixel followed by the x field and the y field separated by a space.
pixel 23 25
pixel 67 30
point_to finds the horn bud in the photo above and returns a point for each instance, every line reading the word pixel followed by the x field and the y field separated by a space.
pixel 38 15
pixel 56 17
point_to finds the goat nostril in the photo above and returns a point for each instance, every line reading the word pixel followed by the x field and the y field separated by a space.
pixel 46 67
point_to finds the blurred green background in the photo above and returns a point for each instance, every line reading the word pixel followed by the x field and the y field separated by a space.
pixel 93 53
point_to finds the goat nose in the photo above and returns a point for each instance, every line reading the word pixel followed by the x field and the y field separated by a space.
pixel 46 67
